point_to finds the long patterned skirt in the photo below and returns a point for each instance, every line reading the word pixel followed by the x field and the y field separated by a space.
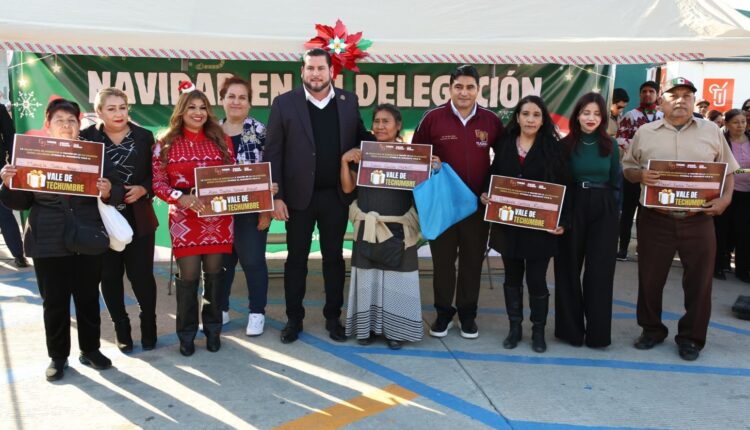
pixel 386 303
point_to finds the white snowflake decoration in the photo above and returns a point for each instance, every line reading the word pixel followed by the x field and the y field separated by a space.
pixel 28 104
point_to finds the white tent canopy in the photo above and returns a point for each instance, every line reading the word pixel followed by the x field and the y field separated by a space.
pixel 402 31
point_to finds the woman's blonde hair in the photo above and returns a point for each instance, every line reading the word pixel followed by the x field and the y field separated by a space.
pixel 211 128
pixel 102 95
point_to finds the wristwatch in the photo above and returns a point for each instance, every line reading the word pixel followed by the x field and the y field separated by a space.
pixel 175 194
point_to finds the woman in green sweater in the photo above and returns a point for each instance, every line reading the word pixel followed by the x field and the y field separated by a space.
pixel 583 306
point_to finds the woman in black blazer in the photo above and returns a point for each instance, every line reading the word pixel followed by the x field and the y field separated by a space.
pixel 529 149
pixel 129 148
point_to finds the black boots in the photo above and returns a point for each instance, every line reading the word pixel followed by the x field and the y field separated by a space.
pixel 122 333
pixel 514 308
pixel 211 312
pixel 539 307
pixel 148 331
pixel 187 314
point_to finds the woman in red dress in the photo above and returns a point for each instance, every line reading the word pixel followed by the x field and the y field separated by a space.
pixel 194 139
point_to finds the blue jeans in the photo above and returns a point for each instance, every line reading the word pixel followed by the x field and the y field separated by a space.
pixel 250 251
pixel 11 232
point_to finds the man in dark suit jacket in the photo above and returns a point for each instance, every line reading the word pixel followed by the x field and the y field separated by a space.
pixel 8 224
pixel 308 130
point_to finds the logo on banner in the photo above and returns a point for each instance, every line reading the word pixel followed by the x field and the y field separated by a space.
pixel 719 92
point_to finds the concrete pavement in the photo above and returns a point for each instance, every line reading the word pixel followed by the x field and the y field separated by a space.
pixel 435 384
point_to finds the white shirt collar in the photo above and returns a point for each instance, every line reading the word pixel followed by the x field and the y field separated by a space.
pixel 464 121
pixel 320 104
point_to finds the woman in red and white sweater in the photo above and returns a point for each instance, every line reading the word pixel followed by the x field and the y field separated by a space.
pixel 194 139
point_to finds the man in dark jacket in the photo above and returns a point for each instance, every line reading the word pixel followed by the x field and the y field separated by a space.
pixel 309 128
pixel 8 224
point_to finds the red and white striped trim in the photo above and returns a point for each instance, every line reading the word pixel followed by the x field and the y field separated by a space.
pixel 372 58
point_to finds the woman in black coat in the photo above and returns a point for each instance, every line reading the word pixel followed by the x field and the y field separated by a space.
pixel 529 149
pixel 128 147
pixel 60 272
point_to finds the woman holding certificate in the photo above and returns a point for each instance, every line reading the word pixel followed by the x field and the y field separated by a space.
pixel 529 149
pixel 583 305
pixel 60 272
pixel 738 137
pixel 194 139
pixel 128 146
pixel 251 229
pixel 384 291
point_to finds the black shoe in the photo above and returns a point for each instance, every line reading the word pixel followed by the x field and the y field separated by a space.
pixel 538 344
pixel 719 274
pixel 646 342
pixel 366 341
pixel 469 329
pixel 689 351
pixel 56 369
pixel 393 344
pixel 291 331
pixel 514 336
pixel 622 255
pixel 148 332
pixel 21 262
pixel 187 348
pixel 213 343
pixel 122 333
pixel 440 327
pixel 336 331
pixel 95 359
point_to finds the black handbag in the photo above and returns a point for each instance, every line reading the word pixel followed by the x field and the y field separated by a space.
pixel 87 237
pixel 741 307
pixel 387 254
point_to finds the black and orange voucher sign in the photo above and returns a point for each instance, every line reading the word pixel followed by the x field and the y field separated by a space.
pixel 60 166
pixel 524 203
pixel 234 189
pixel 400 166
pixel 684 184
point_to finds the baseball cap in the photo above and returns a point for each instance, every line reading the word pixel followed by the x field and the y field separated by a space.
pixel 679 82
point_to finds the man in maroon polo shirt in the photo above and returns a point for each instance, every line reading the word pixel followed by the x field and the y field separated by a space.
pixel 461 133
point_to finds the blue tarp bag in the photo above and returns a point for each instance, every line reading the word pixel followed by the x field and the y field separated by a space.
pixel 443 200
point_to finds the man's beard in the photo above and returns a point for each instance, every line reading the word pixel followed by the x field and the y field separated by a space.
pixel 316 87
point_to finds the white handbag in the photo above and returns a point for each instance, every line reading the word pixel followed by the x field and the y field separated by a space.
pixel 119 230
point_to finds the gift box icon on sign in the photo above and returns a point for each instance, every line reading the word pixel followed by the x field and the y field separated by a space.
pixel 36 179
pixel 377 177
pixel 506 213
pixel 666 197
pixel 218 204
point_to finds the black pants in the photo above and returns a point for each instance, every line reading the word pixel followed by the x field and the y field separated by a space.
pixel 722 225
pixel 584 307
pixel 137 261
pixel 467 241
pixel 535 271
pixel 630 194
pixel 58 278
pixel 11 232
pixel 739 212
pixel 329 212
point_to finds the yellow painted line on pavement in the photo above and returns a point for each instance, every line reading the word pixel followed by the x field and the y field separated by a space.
pixel 360 407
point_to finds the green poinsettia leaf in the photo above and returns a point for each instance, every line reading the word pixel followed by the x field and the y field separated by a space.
pixel 364 44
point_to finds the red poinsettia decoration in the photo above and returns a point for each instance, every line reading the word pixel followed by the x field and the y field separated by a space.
pixel 345 49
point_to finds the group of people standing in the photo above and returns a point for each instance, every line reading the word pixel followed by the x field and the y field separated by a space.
pixel 311 140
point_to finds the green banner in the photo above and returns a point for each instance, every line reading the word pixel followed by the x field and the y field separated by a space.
pixel 151 85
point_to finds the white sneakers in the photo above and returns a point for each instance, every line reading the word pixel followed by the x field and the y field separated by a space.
pixel 255 323
pixel 225 317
